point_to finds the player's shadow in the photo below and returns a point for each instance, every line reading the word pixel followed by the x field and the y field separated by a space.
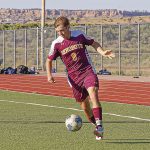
pixel 51 122
pixel 28 122
pixel 128 141
pixel 109 141
pixel 122 121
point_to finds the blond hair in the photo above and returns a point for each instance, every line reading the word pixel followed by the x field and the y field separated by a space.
pixel 61 21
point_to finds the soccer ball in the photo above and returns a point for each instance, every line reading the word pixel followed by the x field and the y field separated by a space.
pixel 73 122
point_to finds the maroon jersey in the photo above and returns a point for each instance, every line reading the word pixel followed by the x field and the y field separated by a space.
pixel 73 53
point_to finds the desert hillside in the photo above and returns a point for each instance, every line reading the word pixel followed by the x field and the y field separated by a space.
pixel 106 16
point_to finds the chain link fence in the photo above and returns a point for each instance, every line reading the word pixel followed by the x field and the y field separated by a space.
pixel 130 43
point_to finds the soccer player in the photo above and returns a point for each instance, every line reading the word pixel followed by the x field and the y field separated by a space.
pixel 70 46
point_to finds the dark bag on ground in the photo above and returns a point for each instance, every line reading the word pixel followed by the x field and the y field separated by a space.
pixel 32 70
pixel 8 70
pixel 11 70
pixel 2 70
pixel 104 72
pixel 21 69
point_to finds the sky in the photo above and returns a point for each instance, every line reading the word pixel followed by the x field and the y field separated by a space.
pixel 129 5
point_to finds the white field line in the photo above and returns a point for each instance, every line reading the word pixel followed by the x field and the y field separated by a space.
pixel 35 104
pixel 118 103
pixel 131 117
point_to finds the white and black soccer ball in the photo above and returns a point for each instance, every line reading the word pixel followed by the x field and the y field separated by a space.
pixel 73 122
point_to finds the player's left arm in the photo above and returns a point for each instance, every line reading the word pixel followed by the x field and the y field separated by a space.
pixel 99 49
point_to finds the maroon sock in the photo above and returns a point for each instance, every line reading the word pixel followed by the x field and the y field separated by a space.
pixel 97 112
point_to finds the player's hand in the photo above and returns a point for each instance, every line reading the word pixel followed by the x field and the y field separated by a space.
pixel 51 80
pixel 108 53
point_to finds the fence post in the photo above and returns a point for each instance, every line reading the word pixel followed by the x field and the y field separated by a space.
pixel 85 29
pixel 56 59
pixel 119 53
pixel 3 49
pixel 14 48
pixel 101 45
pixel 42 48
pixel 25 42
pixel 139 50
pixel 37 48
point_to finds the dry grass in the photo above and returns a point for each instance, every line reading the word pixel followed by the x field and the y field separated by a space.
pixel 108 20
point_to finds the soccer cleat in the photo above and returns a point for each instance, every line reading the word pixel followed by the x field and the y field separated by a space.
pixel 99 132
pixel 98 138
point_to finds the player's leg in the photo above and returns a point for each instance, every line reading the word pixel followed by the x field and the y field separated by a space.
pixel 96 106
pixel 85 105
pixel 91 83
pixel 82 97
pixel 81 93
pixel 97 110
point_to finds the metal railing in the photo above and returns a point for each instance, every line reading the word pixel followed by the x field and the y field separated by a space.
pixel 131 44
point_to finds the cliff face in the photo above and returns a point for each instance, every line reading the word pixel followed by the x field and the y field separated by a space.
pixel 95 13
pixel 84 13
pixel 25 15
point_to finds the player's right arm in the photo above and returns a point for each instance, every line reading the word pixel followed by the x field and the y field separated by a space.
pixel 53 54
pixel 50 77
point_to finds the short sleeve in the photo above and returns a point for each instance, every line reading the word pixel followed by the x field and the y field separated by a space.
pixel 80 34
pixel 87 40
pixel 53 53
